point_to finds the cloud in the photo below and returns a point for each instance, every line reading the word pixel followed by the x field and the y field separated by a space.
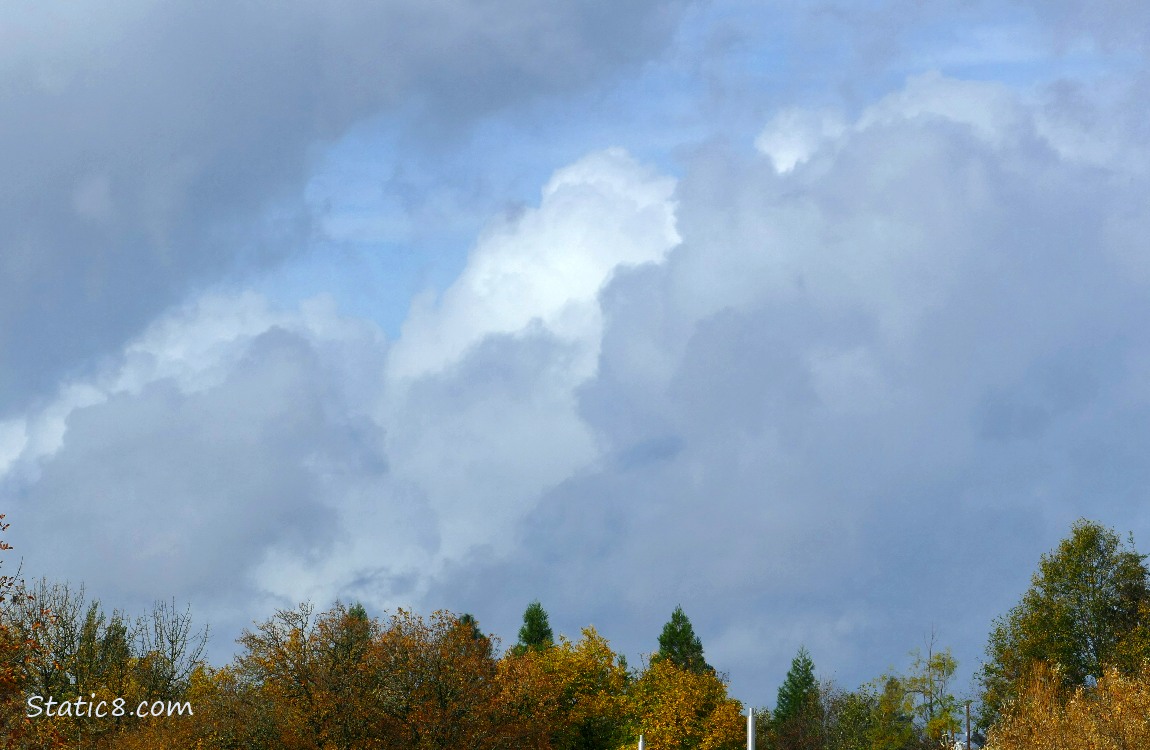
pixel 792 136
pixel 547 264
pixel 858 400
pixel 151 149
pixel 834 391
pixel 225 436
pixel 1111 26
pixel 510 341
pixel 284 453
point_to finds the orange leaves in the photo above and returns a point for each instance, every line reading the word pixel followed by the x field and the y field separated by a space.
pixel 343 680
pixel 17 651
pixel 1114 714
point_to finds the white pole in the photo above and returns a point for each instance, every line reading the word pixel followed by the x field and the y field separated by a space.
pixel 750 729
pixel 641 743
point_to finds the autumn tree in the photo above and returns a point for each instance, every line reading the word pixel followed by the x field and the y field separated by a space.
pixel 679 643
pixel 278 661
pixel 1113 714
pixel 891 726
pixel 316 675
pixel 914 711
pixel 685 709
pixel 77 649
pixel 345 676
pixel 1088 608
pixel 168 650
pixel 935 707
pixel 18 652
pixel 438 687
pixel 593 709
pixel 536 631
pixel 227 715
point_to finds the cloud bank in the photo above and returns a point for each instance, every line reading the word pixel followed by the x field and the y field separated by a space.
pixel 834 387
pixel 152 148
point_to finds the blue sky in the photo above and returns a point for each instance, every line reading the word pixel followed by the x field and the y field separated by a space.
pixel 727 67
pixel 822 320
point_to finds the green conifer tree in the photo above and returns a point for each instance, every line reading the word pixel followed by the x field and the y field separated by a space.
pixel 468 620
pixel 796 720
pixel 679 643
pixel 536 631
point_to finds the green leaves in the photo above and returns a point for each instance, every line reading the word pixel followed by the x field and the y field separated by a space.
pixel 799 691
pixel 536 631
pixel 797 722
pixel 679 643
pixel 1088 608
pixel 929 684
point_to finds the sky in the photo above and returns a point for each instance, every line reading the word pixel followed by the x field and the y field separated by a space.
pixel 821 320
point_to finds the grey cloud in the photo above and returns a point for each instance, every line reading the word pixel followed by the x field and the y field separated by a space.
pixel 150 148
pixel 1112 25
pixel 892 379
pixel 860 399
pixel 169 492
pixel 180 490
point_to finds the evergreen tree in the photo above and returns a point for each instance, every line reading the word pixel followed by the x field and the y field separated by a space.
pixel 468 620
pixel 679 643
pixel 799 689
pixel 536 631
pixel 797 721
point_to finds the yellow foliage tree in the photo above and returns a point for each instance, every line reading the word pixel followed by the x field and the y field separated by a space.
pixel 1114 714
pixel 19 650
pixel 574 692
pixel 678 709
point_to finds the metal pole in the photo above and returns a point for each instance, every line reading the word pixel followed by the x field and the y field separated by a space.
pixel 641 747
pixel 750 729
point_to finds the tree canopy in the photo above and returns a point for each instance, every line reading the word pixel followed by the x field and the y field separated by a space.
pixel 796 721
pixel 679 643
pixel 536 631
pixel 1070 662
pixel 1088 608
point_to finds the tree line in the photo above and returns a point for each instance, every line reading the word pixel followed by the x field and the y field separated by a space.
pixel 1067 667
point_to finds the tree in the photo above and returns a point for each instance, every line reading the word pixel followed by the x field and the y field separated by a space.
pixel 439 687
pixel 848 717
pixel 1088 608
pixel 684 709
pixel 892 722
pixel 18 654
pixel 574 692
pixel 1114 713
pixel 929 684
pixel 468 620
pixel 536 631
pixel 797 718
pixel 278 663
pixel 679 643
pixel 168 649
